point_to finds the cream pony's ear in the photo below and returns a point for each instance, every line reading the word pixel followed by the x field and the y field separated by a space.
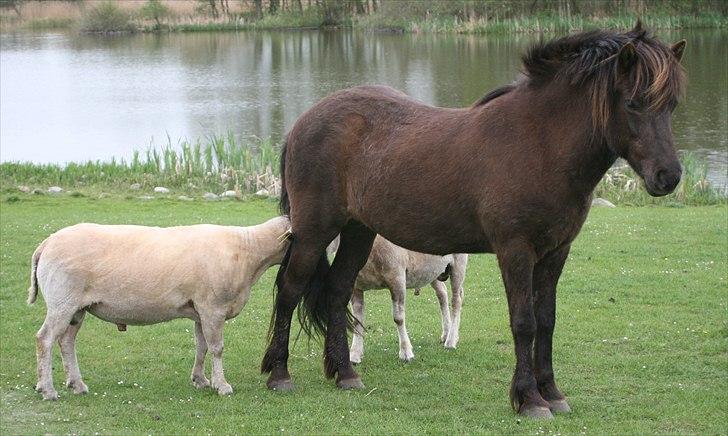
pixel 678 49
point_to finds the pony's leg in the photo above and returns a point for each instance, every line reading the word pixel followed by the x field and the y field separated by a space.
pixel 399 291
pixel 67 343
pixel 56 322
pixel 356 243
pixel 213 325
pixel 441 293
pixel 292 282
pixel 516 263
pixel 198 370
pixel 357 342
pixel 545 278
pixel 457 278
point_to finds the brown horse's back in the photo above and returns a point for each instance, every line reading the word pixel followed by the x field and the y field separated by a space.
pixel 360 142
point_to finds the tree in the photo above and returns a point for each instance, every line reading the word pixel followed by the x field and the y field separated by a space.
pixel 154 10
pixel 11 4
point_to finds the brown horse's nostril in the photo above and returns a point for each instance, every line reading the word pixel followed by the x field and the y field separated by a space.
pixel 667 180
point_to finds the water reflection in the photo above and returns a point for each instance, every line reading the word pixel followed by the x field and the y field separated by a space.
pixel 70 97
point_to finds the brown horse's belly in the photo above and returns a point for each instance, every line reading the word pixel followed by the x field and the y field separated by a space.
pixel 438 241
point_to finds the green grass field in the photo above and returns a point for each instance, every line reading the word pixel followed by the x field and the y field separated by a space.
pixel 641 343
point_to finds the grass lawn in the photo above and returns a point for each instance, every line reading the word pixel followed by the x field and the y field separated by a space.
pixel 641 343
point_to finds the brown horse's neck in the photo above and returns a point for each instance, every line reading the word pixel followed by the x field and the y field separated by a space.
pixel 565 124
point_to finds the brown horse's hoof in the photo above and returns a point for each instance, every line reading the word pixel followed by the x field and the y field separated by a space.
pixel 536 412
pixel 280 385
pixel 350 383
pixel 559 406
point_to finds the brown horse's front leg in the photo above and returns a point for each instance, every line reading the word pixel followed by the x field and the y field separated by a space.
pixel 545 277
pixel 516 263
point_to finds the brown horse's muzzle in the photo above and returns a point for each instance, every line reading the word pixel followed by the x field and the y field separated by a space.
pixel 663 180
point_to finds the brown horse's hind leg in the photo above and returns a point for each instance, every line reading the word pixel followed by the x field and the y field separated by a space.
pixel 356 243
pixel 304 261
pixel 545 277
pixel 516 261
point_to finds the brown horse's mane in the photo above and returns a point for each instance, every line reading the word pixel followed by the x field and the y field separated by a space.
pixel 492 95
pixel 591 59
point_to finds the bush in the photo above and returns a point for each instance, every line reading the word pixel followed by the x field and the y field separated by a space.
pixel 106 17
pixel 154 10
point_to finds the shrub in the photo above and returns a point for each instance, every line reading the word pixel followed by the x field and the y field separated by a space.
pixel 106 17
pixel 154 10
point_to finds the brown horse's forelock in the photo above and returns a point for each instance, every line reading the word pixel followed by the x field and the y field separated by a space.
pixel 591 59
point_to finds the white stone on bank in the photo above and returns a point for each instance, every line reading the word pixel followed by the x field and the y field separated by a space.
pixel 600 202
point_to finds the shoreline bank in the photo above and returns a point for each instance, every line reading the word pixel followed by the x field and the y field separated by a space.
pixel 223 167
pixel 114 21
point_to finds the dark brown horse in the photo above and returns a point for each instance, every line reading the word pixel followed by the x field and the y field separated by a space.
pixel 511 175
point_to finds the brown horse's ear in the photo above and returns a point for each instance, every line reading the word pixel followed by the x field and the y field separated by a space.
pixel 627 58
pixel 678 49
pixel 638 27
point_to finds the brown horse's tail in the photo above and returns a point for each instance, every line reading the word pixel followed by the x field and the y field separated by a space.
pixel 312 311
pixel 284 205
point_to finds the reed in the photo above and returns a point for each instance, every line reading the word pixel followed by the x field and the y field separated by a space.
pixel 621 185
pixel 431 16
pixel 536 23
pixel 221 163
pixel 218 164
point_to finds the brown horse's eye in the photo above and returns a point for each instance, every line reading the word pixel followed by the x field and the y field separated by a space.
pixel 633 104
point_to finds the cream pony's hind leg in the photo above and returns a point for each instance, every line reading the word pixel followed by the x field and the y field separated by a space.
pixel 398 292
pixel 67 343
pixel 357 343
pixel 457 278
pixel 56 323
pixel 198 370
pixel 441 292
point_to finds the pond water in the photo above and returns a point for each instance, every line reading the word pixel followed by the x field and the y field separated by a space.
pixel 68 97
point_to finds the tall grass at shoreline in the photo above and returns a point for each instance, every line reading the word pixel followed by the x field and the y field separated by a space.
pixel 538 23
pixel 218 164
pixel 621 185
pixel 221 163
pixel 422 16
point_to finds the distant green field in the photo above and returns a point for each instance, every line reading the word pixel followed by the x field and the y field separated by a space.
pixel 641 343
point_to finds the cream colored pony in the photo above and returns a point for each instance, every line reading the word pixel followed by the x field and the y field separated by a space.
pixel 145 275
